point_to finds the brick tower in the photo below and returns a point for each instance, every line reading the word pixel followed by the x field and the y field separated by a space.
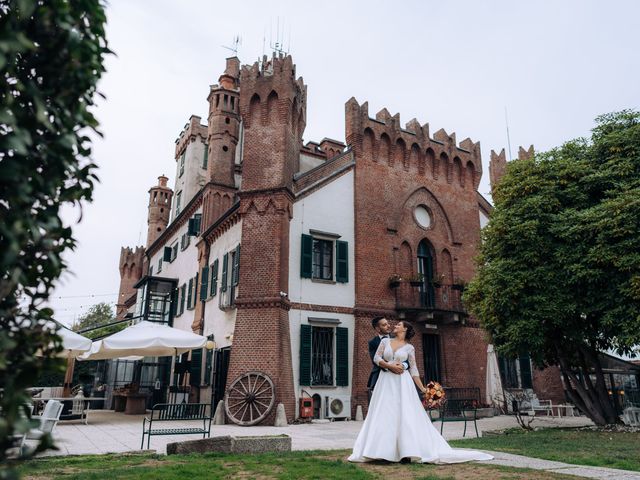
pixel 272 104
pixel 159 209
pixel 131 268
pixel 223 137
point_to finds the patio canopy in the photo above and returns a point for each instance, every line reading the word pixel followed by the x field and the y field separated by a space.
pixel 73 343
pixel 145 339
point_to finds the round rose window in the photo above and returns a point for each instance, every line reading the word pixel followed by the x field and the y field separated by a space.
pixel 422 215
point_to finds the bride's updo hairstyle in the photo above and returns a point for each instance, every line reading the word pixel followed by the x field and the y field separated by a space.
pixel 410 331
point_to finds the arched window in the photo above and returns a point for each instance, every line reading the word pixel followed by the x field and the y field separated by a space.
pixel 426 262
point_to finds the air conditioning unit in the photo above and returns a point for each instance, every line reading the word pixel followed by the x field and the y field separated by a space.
pixel 337 406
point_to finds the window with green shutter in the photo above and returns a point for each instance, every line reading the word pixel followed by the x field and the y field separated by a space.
pixel 174 304
pixel 189 294
pixel 195 289
pixel 342 356
pixel 166 254
pixel 225 262
pixel 204 286
pixel 342 261
pixel 306 257
pixel 195 379
pixel 208 367
pixel 305 355
pixel 235 277
pixel 214 278
pixel 183 291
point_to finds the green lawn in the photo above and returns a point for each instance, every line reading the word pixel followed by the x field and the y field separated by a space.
pixel 583 447
pixel 295 465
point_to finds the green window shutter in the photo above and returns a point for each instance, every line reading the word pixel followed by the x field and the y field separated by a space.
pixel 525 371
pixel 195 289
pixel 236 267
pixel 195 378
pixel 208 367
pixel 225 262
pixel 183 291
pixel 174 302
pixel 214 278
pixel 205 159
pixel 342 261
pixel 342 356
pixel 306 258
pixel 305 355
pixel 166 254
pixel 189 293
pixel 204 287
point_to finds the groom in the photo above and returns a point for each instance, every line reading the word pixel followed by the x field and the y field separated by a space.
pixel 383 328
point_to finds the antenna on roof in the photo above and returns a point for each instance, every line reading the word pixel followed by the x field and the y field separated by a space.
pixel 237 41
pixel 506 121
pixel 278 45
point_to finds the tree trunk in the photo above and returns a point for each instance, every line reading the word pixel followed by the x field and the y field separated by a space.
pixel 588 400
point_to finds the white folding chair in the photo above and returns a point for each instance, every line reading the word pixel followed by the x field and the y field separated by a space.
pixel 48 420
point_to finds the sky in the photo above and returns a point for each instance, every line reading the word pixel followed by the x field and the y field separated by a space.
pixel 549 67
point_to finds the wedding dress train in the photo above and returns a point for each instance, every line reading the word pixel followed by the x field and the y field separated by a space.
pixel 397 426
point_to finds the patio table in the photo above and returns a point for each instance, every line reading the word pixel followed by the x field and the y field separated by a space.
pixel 84 415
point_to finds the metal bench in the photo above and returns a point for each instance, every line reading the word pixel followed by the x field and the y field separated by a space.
pixel 460 405
pixel 172 412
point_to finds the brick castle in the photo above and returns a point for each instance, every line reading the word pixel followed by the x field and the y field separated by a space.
pixel 331 235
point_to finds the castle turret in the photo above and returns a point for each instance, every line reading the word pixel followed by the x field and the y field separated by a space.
pixel 159 209
pixel 223 135
pixel 131 268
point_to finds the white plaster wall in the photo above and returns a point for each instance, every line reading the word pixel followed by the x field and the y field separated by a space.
pixel 484 220
pixel 300 317
pixel 329 209
pixel 183 268
pixel 218 322
pixel 307 162
pixel 194 176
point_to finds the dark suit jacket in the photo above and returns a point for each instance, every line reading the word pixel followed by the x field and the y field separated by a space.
pixel 374 343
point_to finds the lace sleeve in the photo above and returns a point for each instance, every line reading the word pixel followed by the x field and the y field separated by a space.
pixel 413 368
pixel 378 356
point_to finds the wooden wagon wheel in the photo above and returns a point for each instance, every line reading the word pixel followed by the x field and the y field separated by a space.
pixel 249 399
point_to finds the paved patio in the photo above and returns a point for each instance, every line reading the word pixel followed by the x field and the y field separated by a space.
pixel 108 432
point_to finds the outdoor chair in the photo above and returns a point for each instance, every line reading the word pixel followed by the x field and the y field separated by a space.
pixel 539 406
pixel 48 420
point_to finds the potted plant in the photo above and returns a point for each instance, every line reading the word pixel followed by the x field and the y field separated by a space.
pixel 458 284
pixel 437 280
pixel 416 280
pixel 394 280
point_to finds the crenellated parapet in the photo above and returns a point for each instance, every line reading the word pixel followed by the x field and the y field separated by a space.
pixel 498 163
pixel 273 103
pixel 384 139
pixel 270 92
pixel 190 133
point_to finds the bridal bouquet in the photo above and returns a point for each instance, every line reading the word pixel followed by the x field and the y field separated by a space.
pixel 434 397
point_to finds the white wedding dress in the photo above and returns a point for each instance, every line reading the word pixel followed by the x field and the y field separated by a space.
pixel 397 425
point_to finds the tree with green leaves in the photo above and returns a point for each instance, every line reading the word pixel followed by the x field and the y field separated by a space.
pixel 559 269
pixel 97 319
pixel 51 58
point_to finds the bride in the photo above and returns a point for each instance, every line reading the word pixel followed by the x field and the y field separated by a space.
pixel 397 425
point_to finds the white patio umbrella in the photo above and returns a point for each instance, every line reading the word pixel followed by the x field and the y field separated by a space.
pixel 73 343
pixel 145 339
pixel 494 392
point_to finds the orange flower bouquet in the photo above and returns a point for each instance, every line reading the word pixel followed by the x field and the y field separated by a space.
pixel 434 396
